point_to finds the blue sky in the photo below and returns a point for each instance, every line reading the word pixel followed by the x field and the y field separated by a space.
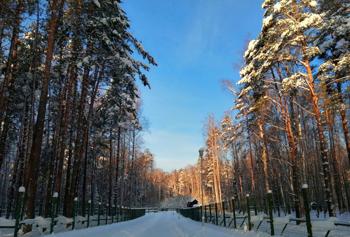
pixel 197 44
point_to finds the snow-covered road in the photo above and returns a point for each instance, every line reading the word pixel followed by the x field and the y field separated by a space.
pixel 161 224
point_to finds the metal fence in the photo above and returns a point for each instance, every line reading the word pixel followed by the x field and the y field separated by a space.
pixel 101 215
pixel 268 219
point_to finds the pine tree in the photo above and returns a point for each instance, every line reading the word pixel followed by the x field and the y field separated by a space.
pixel 35 153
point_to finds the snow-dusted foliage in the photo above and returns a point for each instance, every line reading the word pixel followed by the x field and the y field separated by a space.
pixel 334 42
pixel 299 63
pixel 69 72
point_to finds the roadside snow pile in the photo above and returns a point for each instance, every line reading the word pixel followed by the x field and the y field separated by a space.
pixel 80 222
pixel 62 223
pixel 62 220
pixel 39 225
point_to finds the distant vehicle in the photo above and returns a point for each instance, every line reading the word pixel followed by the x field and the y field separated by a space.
pixel 191 204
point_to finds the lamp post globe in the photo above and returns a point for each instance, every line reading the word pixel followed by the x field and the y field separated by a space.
pixel 201 153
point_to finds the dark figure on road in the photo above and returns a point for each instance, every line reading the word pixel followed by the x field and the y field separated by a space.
pixel 191 204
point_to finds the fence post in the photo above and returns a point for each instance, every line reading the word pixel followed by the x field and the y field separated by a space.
pixel 74 210
pixel 99 213
pixel 210 215
pixel 223 212
pixel 200 216
pixel 307 210
pixel 288 207
pixel 113 208
pixel 269 200
pixel 107 207
pixel 122 213
pixel 201 213
pixel 216 213
pixel 248 212
pixel 89 212
pixel 234 213
pixel 116 212
pixel 255 206
pixel 19 205
pixel 126 213
pixel 53 210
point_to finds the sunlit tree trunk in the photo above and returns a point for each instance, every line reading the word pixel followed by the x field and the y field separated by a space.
pixel 323 143
pixel 264 156
pixel 288 115
pixel 344 121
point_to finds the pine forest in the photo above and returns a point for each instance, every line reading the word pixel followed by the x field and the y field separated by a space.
pixel 72 123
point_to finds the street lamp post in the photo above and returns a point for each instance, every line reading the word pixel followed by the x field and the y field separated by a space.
pixel 201 152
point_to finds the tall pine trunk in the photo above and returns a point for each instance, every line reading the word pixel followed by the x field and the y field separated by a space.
pixel 110 172
pixel 7 84
pixel 321 137
pixel 116 183
pixel 78 148
pixel 344 121
pixel 72 119
pixel 264 156
pixel 97 78
pixel 288 116
pixel 35 153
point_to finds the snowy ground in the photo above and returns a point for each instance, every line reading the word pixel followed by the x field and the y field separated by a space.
pixel 160 224
pixel 172 224
pixel 320 225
